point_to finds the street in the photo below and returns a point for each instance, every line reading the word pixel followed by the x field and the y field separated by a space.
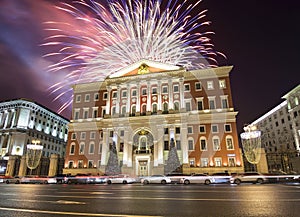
pixel 116 200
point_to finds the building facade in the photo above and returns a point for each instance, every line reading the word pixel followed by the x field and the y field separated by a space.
pixel 24 122
pixel 147 108
pixel 280 133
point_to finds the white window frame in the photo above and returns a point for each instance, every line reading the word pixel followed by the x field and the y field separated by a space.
pixel 92 144
pixel 196 86
pixel 222 83
pixel 216 147
pixel 204 129
pixel 177 87
pixel 78 98
pixel 227 145
pixel 72 145
pixel 210 85
pixel 190 130
pixel 96 96
pixel 229 127
pixel 218 161
pixel 87 97
pixel 187 89
pixel 193 144
pixel 203 138
pixel 82 144
pixel 212 99
pixel 204 162
pixel 83 135
pixel 212 128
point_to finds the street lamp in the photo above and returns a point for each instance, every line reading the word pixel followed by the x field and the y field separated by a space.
pixel 251 142
pixel 33 155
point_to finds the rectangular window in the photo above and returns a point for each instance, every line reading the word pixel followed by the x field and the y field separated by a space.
pixel 210 85
pixel 96 96
pixel 229 144
pixel 231 161
pixel 227 127
pixel 187 87
pixel 72 149
pixel 224 103
pixel 200 105
pixel 212 104
pixel 154 90
pixel 166 130
pixel 188 106
pixel 144 91
pixel 175 88
pixel 203 145
pixel 204 162
pixel 71 164
pixel 92 135
pixel 82 135
pixel 202 129
pixel 166 145
pixel 111 133
pixel 78 98
pixel 105 95
pixel 80 163
pixel 165 89
pixel 124 93
pixel 92 148
pixel 85 114
pixel 214 128
pixel 76 115
pixel 90 163
pixel 114 94
pixel 192 162
pixel 121 146
pixel 190 130
pixel 222 84
pixel 198 86
pixel 218 161
pixel 87 98
pixel 81 148
pixel 177 130
pixel 122 133
pixel 190 145
pixel 178 145
pixel 95 113
pixel 73 136
pixel 216 144
pixel 133 93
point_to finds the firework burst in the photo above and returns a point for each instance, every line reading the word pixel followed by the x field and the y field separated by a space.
pixel 123 32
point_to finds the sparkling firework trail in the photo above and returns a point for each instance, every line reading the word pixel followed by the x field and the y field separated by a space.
pixel 122 33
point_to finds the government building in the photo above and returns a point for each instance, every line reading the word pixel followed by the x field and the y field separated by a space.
pixel 146 109
pixel 24 122
pixel 280 133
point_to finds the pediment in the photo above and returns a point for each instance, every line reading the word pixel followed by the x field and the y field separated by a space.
pixel 144 67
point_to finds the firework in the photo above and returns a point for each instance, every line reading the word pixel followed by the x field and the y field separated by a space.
pixel 121 33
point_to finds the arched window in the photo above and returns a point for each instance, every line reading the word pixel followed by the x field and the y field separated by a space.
pixel 123 111
pixel 144 109
pixel 166 107
pixel 176 106
pixel 154 108
pixel 133 109
pixel 203 143
pixel 216 143
pixel 229 143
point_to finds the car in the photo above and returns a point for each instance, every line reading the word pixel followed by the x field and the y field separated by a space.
pixel 176 177
pixel 221 177
pixel 85 179
pixel 38 180
pixel 11 179
pixel 120 179
pixel 197 179
pixel 248 177
pixel 61 178
pixel 157 179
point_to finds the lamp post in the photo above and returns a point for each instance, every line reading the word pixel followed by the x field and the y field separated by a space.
pixel 251 142
pixel 33 155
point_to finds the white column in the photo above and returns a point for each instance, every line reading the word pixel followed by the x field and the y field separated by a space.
pixel 160 143
pixel 138 98
pixel 159 96
pixel 105 148
pixel 108 100
pixel 148 97
pixel 184 143
pixel 181 89
pixel 171 103
pixel 118 100
pixel 128 99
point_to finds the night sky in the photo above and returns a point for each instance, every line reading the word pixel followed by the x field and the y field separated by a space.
pixel 259 37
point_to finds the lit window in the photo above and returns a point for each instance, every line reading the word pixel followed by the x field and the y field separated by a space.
pixel 218 161
pixel 231 161
pixel 204 162
pixel 210 85
pixel 192 162
pixel 229 143
pixel 216 144
pixel 90 163
pixel 80 163
pixel 222 83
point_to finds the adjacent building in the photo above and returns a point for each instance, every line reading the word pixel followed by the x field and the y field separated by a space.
pixel 23 122
pixel 280 133
pixel 144 110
